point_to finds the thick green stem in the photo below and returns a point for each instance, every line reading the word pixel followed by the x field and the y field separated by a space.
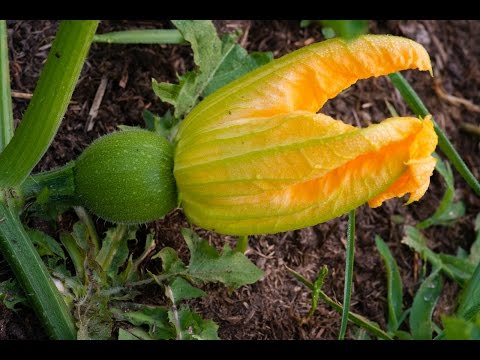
pixel 49 102
pixel 347 291
pixel 6 115
pixel 32 274
pixel 419 108
pixel 149 36
pixel 59 184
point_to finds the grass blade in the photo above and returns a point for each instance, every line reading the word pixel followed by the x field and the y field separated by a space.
pixel 49 102
pixel 6 116
pixel 418 107
pixel 470 299
pixel 394 285
pixel 148 36
pixel 33 276
pixel 457 269
pixel 358 320
pixel 347 291
pixel 423 305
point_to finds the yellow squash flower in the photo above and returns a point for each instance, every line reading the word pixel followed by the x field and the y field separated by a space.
pixel 255 157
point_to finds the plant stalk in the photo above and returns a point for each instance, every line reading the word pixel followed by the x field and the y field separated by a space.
pixel 49 102
pixel 6 115
pixel 32 274
pixel 148 36
pixel 347 291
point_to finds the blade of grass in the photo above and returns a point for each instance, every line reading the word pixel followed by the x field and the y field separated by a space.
pixel 347 291
pixel 148 36
pixel 32 275
pixel 457 269
pixel 358 320
pixel 418 107
pixel 49 102
pixel 6 116
pixel 394 285
pixel 423 305
pixel 470 299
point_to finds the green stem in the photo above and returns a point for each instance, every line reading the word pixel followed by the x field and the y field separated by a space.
pixel 59 182
pixel 32 274
pixel 242 244
pixel 6 115
pixel 353 317
pixel 92 232
pixel 49 102
pixel 76 255
pixel 347 291
pixel 149 36
pixel 419 108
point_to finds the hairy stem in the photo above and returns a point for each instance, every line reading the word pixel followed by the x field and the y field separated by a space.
pixel 32 274
pixel 49 102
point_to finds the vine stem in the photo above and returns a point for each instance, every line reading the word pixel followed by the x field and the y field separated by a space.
pixel 6 116
pixel 49 103
pixel 418 107
pixel 347 290
pixel 31 273
pixel 147 36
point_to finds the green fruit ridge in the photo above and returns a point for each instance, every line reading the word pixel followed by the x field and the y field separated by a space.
pixel 127 177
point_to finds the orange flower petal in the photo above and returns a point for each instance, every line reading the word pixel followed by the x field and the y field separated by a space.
pixel 344 172
pixel 420 168
pixel 302 80
pixel 254 157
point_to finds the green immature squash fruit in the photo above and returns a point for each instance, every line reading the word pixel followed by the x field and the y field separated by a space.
pixel 126 177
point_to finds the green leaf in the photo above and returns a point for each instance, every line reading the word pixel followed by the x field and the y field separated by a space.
pixel 317 288
pixel 219 61
pixel 448 211
pixel 77 255
pixel 45 244
pixel 460 329
pixel 80 234
pixel 348 29
pixel 305 23
pixel 183 290
pixel 455 268
pixel 166 125
pixel 474 256
pixel 127 335
pixel 154 317
pixel 11 294
pixel 171 263
pixel 394 285
pixel 190 326
pixel 94 318
pixel 114 251
pixel 470 299
pixel 206 265
pixel 423 305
